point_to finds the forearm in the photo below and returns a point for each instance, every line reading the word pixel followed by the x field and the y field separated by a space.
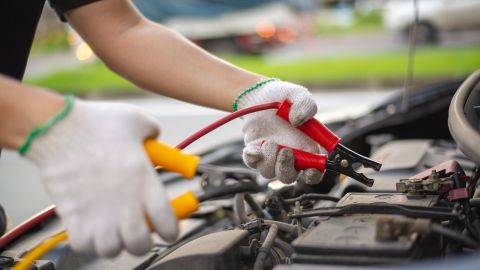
pixel 22 108
pixel 166 63
pixel 160 60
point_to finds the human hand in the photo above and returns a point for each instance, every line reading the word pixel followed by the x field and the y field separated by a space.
pixel 94 166
pixel 264 131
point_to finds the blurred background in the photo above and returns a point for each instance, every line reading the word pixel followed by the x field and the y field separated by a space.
pixel 323 44
pixel 351 54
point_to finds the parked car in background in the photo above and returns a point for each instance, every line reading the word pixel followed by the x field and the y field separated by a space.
pixel 435 16
pixel 246 26
pixel 250 26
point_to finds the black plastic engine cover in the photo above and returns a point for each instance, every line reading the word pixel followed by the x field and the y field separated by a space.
pixel 351 239
pixel 349 235
pixel 214 251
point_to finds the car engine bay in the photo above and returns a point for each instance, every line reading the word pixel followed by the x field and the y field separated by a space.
pixel 424 203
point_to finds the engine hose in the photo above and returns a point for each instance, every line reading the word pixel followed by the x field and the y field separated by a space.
pixel 475 202
pixel 311 196
pixel 285 247
pixel 298 221
pixel 239 208
pixel 454 236
pixel 228 190
pixel 241 213
pixel 266 247
pixel 254 206
pixel 282 226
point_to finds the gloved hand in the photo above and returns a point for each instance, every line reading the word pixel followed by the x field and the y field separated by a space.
pixel 94 166
pixel 264 131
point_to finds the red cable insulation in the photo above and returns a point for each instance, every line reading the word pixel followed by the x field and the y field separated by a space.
pixel 197 135
pixel 306 160
pixel 50 211
pixel 27 225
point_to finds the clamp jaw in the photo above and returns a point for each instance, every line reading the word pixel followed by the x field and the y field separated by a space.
pixel 344 158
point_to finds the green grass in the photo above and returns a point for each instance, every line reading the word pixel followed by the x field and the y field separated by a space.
pixel 430 64
pixel 54 42
pixel 87 79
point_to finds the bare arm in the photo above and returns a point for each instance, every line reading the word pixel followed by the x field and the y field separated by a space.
pixel 146 53
pixel 156 58
pixel 23 108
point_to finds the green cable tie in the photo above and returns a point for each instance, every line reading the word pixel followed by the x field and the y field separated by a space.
pixel 250 89
pixel 44 127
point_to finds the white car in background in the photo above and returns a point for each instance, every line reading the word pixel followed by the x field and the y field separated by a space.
pixel 435 16
pixel 248 30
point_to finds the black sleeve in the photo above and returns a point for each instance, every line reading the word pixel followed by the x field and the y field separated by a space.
pixel 62 6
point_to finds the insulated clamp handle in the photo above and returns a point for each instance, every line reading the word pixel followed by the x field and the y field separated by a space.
pixel 183 206
pixel 305 160
pixel 171 158
pixel 312 128
pixel 174 160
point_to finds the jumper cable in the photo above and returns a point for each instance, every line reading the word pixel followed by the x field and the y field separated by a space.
pixel 172 159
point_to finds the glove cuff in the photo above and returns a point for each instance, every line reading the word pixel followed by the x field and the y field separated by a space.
pixel 56 142
pixel 69 100
pixel 244 93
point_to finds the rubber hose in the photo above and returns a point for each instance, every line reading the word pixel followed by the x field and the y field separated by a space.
pixel 254 206
pixel 284 246
pixel 265 248
pixel 454 236
pixel 282 226
pixel 239 208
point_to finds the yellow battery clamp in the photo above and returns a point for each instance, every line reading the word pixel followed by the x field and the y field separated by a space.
pixel 174 160
pixel 165 156
pixel 171 158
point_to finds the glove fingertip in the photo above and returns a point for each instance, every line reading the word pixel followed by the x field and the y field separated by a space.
pixel 109 253
pixel 161 213
pixel 302 111
pixel 167 225
pixel 148 124
pixel 313 176
pixel 107 243
pixel 82 245
pixel 285 166
pixel 171 235
pixel 251 159
pixel 135 234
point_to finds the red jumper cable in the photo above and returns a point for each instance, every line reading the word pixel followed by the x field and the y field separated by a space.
pixel 343 160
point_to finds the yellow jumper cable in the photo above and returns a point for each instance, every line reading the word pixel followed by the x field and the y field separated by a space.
pixel 160 154
pixel 40 250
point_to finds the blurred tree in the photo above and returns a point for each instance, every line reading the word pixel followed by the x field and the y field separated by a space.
pixel 51 33
pixel 49 24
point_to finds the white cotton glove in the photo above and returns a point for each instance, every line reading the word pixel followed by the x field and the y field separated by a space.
pixel 265 130
pixel 94 166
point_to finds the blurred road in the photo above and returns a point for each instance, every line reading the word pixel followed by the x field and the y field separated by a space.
pixel 22 194
pixel 366 43
pixel 319 47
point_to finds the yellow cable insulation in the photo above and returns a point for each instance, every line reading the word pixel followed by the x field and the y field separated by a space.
pixel 183 206
pixel 161 155
pixel 39 250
